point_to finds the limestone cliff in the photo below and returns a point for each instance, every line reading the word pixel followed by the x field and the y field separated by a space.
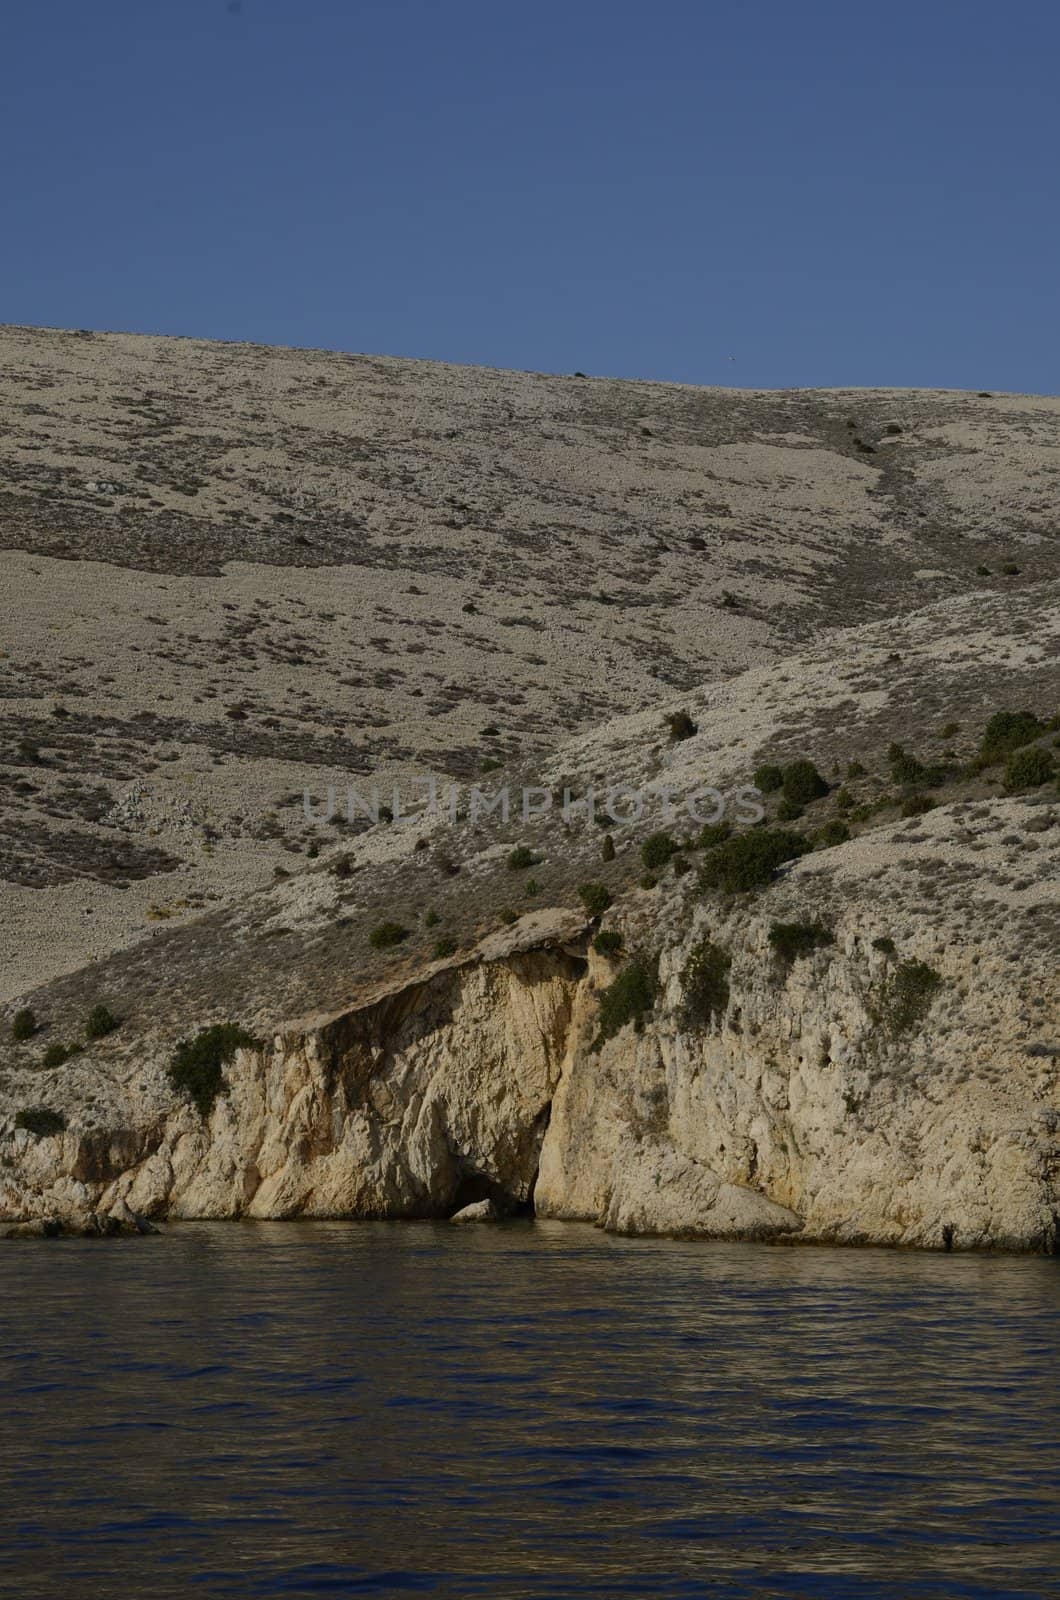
pixel 808 1096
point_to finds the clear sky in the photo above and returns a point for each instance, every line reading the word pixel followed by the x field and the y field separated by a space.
pixel 831 193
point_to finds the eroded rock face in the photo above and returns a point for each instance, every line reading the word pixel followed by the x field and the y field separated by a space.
pixel 433 1098
pixel 800 1103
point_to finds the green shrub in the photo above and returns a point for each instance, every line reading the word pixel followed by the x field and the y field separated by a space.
pixel 802 783
pixel 657 850
pixel 906 996
pixel 1028 769
pixel 608 942
pixel 790 940
pixel 750 860
pixel 788 811
pixel 855 769
pixel 918 805
pixel 629 998
pixel 607 848
pixel 197 1067
pixel 951 729
pixel 681 726
pixel 1010 569
pixel 595 897
pixel 844 800
pixel 982 572
pixel 387 934
pixel 41 1122
pixel 768 777
pixel 704 985
pixel 508 916
pixel 1007 731
pixel 443 948
pixel 520 858
pixel 834 832
pixel 431 919
pixel 649 881
pixel 490 764
pixel 712 833
pixel 341 867
pixel 24 1025
pixel 100 1021
pixel 904 767
pixel 886 944
pixel 531 887
pixel 56 1054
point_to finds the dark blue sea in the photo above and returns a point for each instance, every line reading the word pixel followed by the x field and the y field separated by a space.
pixel 534 1409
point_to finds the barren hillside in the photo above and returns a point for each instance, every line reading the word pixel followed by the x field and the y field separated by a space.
pixel 232 572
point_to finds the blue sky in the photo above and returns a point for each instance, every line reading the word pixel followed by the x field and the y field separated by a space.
pixel 831 193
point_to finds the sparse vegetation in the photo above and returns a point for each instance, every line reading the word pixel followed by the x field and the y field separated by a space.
pixel 790 940
pixel 834 832
pixel 607 849
pixel 520 858
pixel 197 1067
pixel 608 942
pixel 56 1054
pixel 906 997
pixel 802 783
pixel 387 934
pixel 768 778
pixel 712 833
pixel 885 944
pixel 629 998
pixel 681 726
pixel 750 860
pixel 1007 731
pixel 100 1021
pixel 657 850
pixel 1028 769
pixel 704 985
pixel 444 947
pixel 23 1025
pixel 40 1121
pixel 595 897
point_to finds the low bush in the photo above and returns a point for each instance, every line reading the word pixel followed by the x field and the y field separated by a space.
pixel 750 860
pixel 431 919
pixel 1028 769
pixel 681 726
pixel 886 944
pixel 41 1122
pixel 607 848
pixel 788 811
pixel 508 916
pixel 1007 731
pixel 342 867
pixel 704 985
pixel 100 1021
pixel 387 934
pixel 595 897
pixel 197 1067
pixel 768 778
pixel 629 998
pixel 790 940
pixel 657 850
pixel 906 997
pixel 56 1054
pixel 520 858
pixel 712 833
pixel 802 783
pixel 834 832
pixel 918 805
pixel 608 942
pixel 444 947
pixel 24 1025
pixel 855 769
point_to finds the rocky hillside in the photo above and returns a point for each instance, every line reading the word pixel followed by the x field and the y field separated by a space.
pixel 232 572
pixel 766 942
